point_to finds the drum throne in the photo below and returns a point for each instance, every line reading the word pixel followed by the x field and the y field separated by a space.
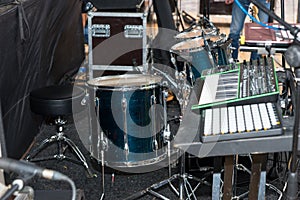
pixel 57 102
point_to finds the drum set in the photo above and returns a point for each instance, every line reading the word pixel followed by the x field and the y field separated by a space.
pixel 128 113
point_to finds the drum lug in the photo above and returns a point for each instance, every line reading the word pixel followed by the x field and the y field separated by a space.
pixel 124 107
pixel 102 142
pixel 105 144
pixel 126 151
pixel 153 100
pixel 155 144
pixel 167 134
pixel 124 104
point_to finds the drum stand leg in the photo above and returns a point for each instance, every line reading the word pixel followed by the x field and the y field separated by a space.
pixel 102 164
pixel 101 141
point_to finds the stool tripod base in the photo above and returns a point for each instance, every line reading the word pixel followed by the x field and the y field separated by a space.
pixel 63 143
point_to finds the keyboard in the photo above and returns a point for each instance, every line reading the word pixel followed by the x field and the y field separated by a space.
pixel 243 121
pixel 257 35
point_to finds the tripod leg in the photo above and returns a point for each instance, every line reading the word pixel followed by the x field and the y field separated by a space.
pixel 79 155
pixel 189 194
pixel 43 145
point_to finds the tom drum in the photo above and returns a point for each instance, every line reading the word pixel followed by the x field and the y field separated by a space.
pixel 130 114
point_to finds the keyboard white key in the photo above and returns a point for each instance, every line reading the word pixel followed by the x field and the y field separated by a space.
pixel 248 118
pixel 208 122
pixel 256 117
pixel 273 118
pixel 224 120
pixel 264 116
pixel 232 119
pixel 240 119
pixel 216 121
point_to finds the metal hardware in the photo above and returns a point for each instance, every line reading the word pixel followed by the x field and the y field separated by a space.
pixel 133 31
pixel 101 30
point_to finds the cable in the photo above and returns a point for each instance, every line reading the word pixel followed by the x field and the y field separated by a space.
pixel 73 187
pixel 253 18
pixel 27 170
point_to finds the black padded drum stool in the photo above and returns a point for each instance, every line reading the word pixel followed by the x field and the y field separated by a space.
pixel 58 101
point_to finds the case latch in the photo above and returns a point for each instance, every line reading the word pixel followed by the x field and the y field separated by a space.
pixel 101 30
pixel 133 31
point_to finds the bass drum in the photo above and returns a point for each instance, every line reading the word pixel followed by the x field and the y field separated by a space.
pixel 130 114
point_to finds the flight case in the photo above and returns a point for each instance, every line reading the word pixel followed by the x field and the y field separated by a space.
pixel 117 41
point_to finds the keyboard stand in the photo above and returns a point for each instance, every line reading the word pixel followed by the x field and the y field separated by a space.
pixel 258 177
pixel 266 50
pixel 257 186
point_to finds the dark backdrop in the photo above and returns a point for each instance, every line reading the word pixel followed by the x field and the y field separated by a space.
pixel 41 43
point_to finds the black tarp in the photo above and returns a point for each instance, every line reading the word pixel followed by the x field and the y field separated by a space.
pixel 41 43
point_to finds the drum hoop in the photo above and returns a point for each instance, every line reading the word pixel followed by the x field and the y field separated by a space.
pixel 187 50
pixel 184 34
pixel 152 84
pixel 172 50
pixel 140 163
pixel 221 39
pixel 127 88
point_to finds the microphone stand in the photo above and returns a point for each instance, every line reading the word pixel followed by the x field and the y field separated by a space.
pixel 292 188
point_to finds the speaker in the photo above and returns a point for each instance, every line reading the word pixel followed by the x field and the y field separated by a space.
pixel 117 5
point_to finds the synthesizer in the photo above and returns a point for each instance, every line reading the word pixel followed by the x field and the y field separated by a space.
pixel 256 35
pixel 237 122
pixel 250 82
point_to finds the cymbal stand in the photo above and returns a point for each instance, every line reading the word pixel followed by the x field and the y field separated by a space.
pixel 181 81
pixel 179 20
pixel 185 88
pixel 208 49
